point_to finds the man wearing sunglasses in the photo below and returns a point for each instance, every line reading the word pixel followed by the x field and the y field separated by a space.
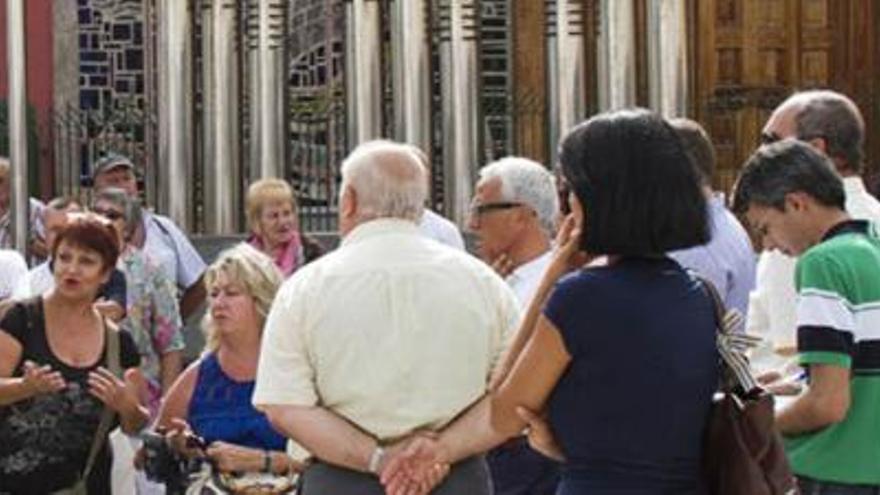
pixel 832 124
pixel 513 216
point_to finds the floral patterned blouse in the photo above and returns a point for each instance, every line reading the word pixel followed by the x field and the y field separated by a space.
pixel 152 317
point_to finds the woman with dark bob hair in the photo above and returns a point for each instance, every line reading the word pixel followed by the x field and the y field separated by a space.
pixel 59 396
pixel 620 356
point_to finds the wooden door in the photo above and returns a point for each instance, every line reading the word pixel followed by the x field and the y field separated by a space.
pixel 751 54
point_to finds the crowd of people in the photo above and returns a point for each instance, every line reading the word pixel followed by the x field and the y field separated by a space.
pixel 571 351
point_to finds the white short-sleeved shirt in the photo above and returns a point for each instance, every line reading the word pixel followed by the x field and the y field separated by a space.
pixel 172 251
pixel 392 331
pixel 441 229
pixel 37 281
pixel 12 269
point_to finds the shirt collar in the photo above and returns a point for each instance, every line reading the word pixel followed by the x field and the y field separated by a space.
pixel 379 227
pixel 847 227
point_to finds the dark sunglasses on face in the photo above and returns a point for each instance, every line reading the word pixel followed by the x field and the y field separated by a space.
pixel 109 214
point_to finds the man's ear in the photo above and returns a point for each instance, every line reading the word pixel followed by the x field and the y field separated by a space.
pixel 798 201
pixel 820 144
pixel 349 202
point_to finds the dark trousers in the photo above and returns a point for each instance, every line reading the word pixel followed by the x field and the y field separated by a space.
pixel 519 470
pixel 810 486
pixel 470 476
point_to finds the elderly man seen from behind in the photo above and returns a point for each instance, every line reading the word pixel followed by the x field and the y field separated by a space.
pixel 408 340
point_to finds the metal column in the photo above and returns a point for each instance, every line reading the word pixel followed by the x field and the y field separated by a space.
pixel 363 65
pixel 569 61
pixel 223 172
pixel 460 90
pixel 18 152
pixel 667 57
pixel 412 73
pixel 617 55
pixel 175 112
pixel 273 130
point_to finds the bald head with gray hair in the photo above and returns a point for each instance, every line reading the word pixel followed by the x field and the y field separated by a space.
pixel 388 180
pixel 527 182
pixel 836 119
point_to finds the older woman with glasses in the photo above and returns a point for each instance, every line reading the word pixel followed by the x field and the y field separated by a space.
pixel 271 214
pixel 67 375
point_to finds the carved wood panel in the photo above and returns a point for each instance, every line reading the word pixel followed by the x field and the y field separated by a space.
pixel 751 54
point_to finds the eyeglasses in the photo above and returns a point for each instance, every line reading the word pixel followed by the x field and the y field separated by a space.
pixel 770 137
pixel 480 209
pixel 111 215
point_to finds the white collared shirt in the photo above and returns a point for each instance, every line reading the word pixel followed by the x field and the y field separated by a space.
pixel 392 331
pixel 772 304
pixel 525 279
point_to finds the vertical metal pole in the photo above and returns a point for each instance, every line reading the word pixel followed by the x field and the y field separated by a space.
pixel 667 57
pixel 461 116
pixel 175 115
pixel 617 55
pixel 18 149
pixel 551 26
pixel 224 172
pixel 251 56
pixel 570 64
pixel 363 70
pixel 208 98
pixel 272 84
pixel 412 72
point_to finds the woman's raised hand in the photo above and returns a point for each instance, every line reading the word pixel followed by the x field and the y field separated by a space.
pixel 41 380
pixel 119 395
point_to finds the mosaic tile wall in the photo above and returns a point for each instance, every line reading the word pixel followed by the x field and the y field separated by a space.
pixel 111 47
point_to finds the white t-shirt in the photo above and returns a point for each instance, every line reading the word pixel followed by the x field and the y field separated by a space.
pixel 37 281
pixel 12 269
pixel 525 279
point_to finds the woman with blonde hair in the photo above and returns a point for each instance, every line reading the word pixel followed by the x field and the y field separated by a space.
pixel 272 218
pixel 212 398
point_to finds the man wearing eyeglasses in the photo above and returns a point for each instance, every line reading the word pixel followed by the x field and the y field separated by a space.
pixel 513 216
pixel 831 123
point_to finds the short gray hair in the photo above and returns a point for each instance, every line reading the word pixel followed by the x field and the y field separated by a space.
pixel 389 179
pixel 835 118
pixel 131 206
pixel 527 182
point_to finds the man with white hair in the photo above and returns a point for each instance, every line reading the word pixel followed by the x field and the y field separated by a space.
pixel 513 215
pixel 390 334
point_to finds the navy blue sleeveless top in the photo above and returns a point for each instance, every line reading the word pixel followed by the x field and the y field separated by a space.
pixel 630 410
pixel 221 409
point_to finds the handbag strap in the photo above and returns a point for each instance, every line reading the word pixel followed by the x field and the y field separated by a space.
pixel 731 345
pixel 112 359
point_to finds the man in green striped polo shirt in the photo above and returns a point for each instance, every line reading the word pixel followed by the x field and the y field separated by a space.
pixel 795 203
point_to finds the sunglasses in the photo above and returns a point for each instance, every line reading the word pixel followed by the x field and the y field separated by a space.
pixel 111 215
